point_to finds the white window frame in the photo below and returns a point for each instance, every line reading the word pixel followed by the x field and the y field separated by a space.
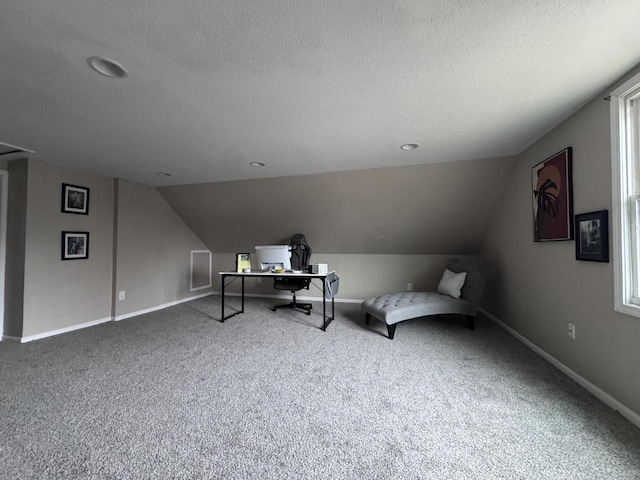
pixel 625 156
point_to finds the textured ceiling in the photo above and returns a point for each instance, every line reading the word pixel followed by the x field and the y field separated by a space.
pixel 306 87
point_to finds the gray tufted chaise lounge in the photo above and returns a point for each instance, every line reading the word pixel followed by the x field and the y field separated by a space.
pixel 398 307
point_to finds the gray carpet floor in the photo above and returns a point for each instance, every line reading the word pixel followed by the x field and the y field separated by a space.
pixel 177 394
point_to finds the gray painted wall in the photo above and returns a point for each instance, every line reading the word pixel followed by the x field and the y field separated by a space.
pixel 434 209
pixel 153 251
pixel 16 234
pixel 60 294
pixel 379 229
pixel 361 276
pixel 45 294
pixel 537 288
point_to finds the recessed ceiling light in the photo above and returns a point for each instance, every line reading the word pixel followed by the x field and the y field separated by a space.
pixel 258 164
pixel 107 67
pixel 163 174
pixel 409 146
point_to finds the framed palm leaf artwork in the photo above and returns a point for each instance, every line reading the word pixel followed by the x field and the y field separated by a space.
pixel 553 198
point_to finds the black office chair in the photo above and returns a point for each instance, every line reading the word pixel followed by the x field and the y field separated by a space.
pixel 300 255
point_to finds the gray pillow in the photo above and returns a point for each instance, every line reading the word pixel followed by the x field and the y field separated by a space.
pixel 451 283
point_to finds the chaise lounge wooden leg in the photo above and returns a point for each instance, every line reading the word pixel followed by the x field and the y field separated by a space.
pixel 471 322
pixel 367 318
pixel 391 330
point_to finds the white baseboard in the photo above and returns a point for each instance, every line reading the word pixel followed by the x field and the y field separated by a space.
pixel 71 328
pixel 160 307
pixel 285 297
pixel 625 411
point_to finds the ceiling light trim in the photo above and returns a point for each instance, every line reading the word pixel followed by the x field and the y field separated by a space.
pixel 407 147
pixel 107 67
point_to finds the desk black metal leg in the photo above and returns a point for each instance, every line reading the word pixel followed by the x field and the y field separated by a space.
pixel 325 321
pixel 242 311
pixel 222 289
pixel 324 313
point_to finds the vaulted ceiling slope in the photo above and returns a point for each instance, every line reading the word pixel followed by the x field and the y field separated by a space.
pixel 305 87
pixel 443 208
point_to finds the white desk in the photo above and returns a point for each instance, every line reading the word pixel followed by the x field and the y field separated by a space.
pixel 319 276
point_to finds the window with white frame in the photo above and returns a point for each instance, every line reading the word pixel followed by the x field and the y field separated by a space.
pixel 625 154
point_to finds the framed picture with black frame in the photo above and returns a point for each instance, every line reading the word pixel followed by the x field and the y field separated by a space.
pixel 75 199
pixel 552 186
pixel 592 236
pixel 75 245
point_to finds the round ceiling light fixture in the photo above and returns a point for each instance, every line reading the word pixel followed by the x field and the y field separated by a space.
pixel 107 67
pixel 258 164
pixel 407 147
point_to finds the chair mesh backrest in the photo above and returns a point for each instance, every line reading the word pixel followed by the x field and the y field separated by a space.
pixel 300 255
pixel 476 269
pixel 300 252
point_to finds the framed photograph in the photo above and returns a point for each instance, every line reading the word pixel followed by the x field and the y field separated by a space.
pixel 553 198
pixel 75 199
pixel 75 245
pixel 243 260
pixel 592 236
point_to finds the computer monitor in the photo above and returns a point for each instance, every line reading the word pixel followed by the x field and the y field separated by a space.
pixel 273 256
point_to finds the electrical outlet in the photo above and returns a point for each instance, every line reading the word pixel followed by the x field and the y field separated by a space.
pixel 121 295
pixel 409 287
pixel 572 331
pixel 259 280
